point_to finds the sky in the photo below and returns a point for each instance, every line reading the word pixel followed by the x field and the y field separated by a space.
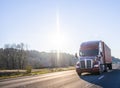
pixel 47 25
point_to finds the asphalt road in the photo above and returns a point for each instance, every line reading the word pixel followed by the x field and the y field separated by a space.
pixel 66 79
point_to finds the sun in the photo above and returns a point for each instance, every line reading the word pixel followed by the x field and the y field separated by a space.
pixel 58 41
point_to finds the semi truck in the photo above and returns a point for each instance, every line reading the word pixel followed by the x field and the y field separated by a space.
pixel 94 57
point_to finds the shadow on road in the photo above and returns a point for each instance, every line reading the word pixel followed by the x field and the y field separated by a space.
pixel 110 79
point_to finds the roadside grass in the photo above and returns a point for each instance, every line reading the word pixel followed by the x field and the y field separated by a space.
pixel 49 70
pixel 20 73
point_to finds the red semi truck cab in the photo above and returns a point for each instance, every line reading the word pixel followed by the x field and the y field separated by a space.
pixel 94 57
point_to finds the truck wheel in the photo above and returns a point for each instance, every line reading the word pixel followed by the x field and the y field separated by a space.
pixel 110 67
pixel 100 69
pixel 105 68
pixel 79 74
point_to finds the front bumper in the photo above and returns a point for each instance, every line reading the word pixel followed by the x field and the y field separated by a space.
pixel 92 70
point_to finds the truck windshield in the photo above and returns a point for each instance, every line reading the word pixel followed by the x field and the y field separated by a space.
pixel 90 52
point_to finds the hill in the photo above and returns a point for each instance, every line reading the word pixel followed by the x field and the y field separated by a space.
pixel 115 60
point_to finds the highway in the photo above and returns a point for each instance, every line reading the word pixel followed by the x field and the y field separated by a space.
pixel 66 79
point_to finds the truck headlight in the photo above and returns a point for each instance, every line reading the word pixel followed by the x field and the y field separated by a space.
pixel 96 65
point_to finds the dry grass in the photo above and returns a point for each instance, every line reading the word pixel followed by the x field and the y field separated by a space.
pixel 19 73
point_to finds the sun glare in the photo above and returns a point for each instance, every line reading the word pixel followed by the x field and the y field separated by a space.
pixel 57 39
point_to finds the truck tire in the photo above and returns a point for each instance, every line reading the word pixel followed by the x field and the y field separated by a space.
pixel 99 73
pixel 100 69
pixel 110 66
pixel 105 67
pixel 79 74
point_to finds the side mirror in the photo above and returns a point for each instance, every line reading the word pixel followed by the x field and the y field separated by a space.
pixel 76 55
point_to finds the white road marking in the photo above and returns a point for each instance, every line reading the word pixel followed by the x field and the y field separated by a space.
pixel 110 70
pixel 90 84
pixel 101 77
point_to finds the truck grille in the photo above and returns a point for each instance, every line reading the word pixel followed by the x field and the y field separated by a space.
pixel 82 64
pixel 86 64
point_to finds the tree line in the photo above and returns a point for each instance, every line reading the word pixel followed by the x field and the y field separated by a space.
pixel 13 56
pixel 16 56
